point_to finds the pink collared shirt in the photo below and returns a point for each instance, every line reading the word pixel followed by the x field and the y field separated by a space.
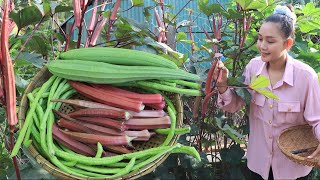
pixel 299 103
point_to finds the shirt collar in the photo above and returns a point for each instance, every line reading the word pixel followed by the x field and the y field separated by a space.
pixel 288 72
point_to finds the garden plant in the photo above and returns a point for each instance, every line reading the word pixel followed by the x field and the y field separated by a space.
pixel 35 33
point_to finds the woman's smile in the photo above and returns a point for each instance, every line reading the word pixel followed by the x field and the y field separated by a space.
pixel 264 54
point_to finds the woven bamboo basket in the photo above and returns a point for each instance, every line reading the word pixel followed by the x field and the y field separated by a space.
pixel 41 77
pixel 297 143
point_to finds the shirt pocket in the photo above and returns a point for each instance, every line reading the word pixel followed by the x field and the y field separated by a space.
pixel 288 112
pixel 257 106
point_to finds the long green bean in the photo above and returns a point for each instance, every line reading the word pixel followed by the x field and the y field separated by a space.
pixel 177 131
pixel 153 158
pixel 185 83
pixel 27 141
pixel 188 150
pixel 102 170
pixel 99 150
pixel 126 170
pixel 113 159
pixel 26 124
pixel 43 125
pixel 60 89
pixel 173 120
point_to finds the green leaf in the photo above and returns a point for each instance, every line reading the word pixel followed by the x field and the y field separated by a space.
pixel 181 36
pixel 233 14
pixel 59 36
pixel 46 7
pixel 233 134
pixel 62 8
pixel 244 94
pixel 233 155
pixel 146 13
pixel 308 25
pixel 27 16
pixel 21 63
pixel 236 81
pixel 259 82
pixel 268 94
pixel 313 59
pixel 187 41
pixel 21 83
pixel 39 44
pixel 319 76
pixel 137 2
pixel 208 9
pixel 35 59
pixel 256 4
pixel 310 10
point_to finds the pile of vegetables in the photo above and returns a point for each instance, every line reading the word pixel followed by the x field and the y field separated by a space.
pixel 116 97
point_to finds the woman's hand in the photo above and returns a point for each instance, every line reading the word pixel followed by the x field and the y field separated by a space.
pixel 317 151
pixel 222 72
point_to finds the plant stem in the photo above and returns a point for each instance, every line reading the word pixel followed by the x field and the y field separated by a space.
pixel 62 31
pixel 221 6
pixel 69 36
pixel 127 9
pixel 234 87
pixel 80 27
pixel 128 38
pixel 25 43
pixel 14 158
pixel 51 36
pixel 179 12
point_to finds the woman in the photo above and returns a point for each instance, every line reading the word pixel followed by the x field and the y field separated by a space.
pixel 295 83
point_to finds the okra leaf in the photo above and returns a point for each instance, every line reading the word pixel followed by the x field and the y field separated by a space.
pixel 233 14
pixel 181 36
pixel 259 82
pixel 233 134
pixel 146 13
pixel 208 9
pixel 33 58
pixel 44 7
pixel 187 41
pixel 26 16
pixel 62 8
pixel 232 155
pixel 236 81
pixel 244 94
pixel 268 94
pixel 137 2
pixel 257 4
pixel 20 83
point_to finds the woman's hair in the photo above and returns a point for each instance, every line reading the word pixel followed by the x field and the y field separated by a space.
pixel 285 17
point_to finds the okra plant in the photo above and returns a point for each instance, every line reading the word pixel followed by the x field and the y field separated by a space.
pixel 33 34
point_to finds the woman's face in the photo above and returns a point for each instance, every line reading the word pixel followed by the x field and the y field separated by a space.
pixel 271 44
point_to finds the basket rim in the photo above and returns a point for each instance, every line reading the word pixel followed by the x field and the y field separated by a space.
pixel 296 158
pixel 55 171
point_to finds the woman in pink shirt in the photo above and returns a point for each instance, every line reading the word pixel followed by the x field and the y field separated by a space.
pixel 295 83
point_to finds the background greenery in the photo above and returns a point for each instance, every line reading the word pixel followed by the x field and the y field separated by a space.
pixel 220 137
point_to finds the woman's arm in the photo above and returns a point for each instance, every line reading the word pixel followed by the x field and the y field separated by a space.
pixel 228 100
pixel 312 106
pixel 312 111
